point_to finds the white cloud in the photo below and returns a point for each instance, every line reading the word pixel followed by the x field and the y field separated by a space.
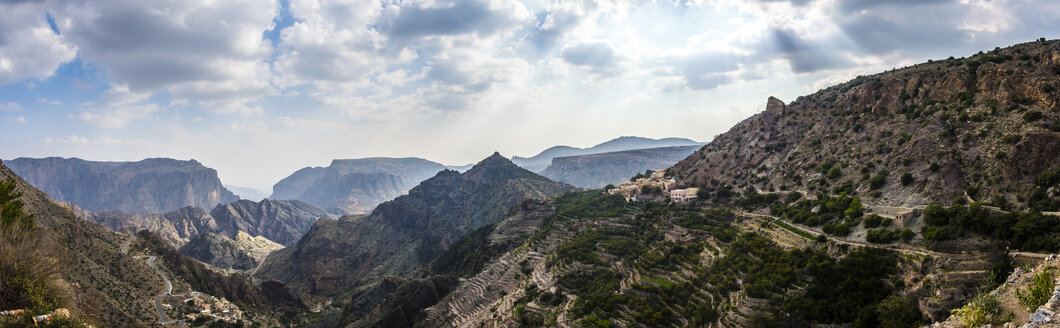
pixel 75 140
pixel 12 106
pixel 49 101
pixel 118 116
pixel 204 51
pixel 29 49
pixel 19 119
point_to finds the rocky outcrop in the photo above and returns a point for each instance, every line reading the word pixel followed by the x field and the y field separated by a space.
pixel 241 253
pixel 152 185
pixel 281 221
pixel 538 163
pixel 355 186
pixel 981 128
pixel 405 233
pixel 599 170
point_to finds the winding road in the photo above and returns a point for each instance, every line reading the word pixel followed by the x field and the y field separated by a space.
pixel 166 292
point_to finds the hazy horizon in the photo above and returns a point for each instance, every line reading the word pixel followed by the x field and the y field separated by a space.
pixel 259 89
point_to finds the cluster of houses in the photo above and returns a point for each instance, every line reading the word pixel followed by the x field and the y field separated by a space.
pixel 197 305
pixel 658 180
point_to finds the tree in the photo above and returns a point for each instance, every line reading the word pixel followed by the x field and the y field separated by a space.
pixel 907 234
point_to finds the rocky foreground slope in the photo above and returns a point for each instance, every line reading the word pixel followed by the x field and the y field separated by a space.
pixel 66 262
pixel 153 185
pixel 355 186
pixel 981 128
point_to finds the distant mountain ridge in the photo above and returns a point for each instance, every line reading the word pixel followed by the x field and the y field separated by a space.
pixel 599 170
pixel 539 162
pixel 407 232
pixel 281 221
pixel 247 192
pixel 152 185
pixel 355 185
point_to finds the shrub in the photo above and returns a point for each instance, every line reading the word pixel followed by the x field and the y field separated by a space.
pixel 907 234
pixel 1031 116
pixel 834 173
pixel 878 180
pixel 1038 292
pixel 907 179
pixel 897 311
pixel 881 236
pixel 983 309
pixel 1011 138
pixel 872 221
pixel 934 167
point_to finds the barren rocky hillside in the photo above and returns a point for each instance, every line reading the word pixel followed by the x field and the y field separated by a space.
pixel 982 127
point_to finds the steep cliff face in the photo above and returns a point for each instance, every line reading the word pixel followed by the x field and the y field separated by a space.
pixel 541 161
pixel 152 185
pixel 980 128
pixel 599 170
pixel 355 185
pixel 405 233
pixel 281 221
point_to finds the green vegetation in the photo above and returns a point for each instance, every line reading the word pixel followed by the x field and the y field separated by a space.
pixel 28 274
pixel 836 215
pixel 984 309
pixel 878 180
pixel 1011 138
pixel 1030 231
pixel 907 179
pixel 881 236
pixel 898 312
pixel 907 234
pixel 1032 115
pixel 589 203
pixel 1039 199
pixel 797 231
pixel 1039 292
pixel 847 290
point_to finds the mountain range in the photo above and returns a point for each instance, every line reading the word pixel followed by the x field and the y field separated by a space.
pixel 355 186
pixel 600 170
pixel 407 232
pixel 153 185
pixel 539 162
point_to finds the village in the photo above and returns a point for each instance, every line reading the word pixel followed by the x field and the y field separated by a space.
pixel 653 185
pixel 200 309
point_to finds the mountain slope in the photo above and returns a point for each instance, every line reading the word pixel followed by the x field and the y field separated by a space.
pixel 355 185
pixel 599 170
pixel 92 277
pixel 243 252
pixel 407 232
pixel 983 127
pixel 152 185
pixel 539 162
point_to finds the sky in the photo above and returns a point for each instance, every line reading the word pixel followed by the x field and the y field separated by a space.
pixel 258 89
